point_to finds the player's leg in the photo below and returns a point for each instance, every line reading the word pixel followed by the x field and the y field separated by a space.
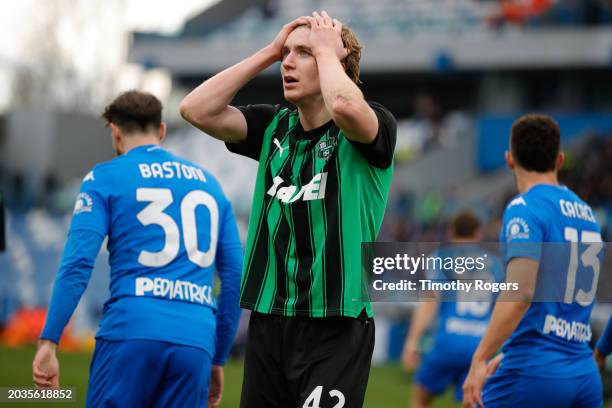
pixel 434 375
pixel 330 361
pixel 186 377
pixel 421 397
pixel 264 383
pixel 124 373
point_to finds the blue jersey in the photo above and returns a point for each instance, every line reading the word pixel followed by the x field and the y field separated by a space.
pixel 461 318
pixel 552 338
pixel 169 227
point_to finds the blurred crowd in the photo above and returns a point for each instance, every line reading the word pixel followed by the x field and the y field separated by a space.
pixel 424 217
pixel 416 15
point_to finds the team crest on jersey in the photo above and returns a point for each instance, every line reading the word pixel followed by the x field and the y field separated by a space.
pixel 326 147
pixel 84 203
pixel 517 228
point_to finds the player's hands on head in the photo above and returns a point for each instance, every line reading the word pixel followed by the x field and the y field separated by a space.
pixel 326 33
pixel 45 367
pixel 600 360
pixel 410 356
pixel 480 370
pixel 215 389
pixel 279 41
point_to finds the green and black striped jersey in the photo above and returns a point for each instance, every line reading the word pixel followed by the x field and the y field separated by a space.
pixel 317 197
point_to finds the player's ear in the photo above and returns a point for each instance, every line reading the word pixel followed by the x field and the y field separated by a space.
pixel 509 160
pixel 560 160
pixel 162 131
pixel 115 133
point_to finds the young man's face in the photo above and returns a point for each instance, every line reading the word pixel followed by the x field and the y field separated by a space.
pixel 299 68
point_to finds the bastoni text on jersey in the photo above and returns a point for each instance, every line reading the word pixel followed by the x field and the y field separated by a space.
pixel 314 190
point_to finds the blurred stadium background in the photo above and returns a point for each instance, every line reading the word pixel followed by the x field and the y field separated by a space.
pixel 454 72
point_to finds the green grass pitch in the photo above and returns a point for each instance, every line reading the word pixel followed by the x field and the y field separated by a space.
pixel 389 386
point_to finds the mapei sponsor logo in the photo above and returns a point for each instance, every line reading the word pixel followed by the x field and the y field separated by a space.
pixel 517 228
pixel 174 290
pixel 314 190
pixel 84 203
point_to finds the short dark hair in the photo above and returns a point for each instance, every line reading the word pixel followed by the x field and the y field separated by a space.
pixel 465 224
pixel 535 141
pixel 134 111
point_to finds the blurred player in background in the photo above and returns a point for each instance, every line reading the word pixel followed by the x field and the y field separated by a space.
pixel 459 323
pixel 2 224
pixel 604 347
pixel 543 364
pixel 169 226
pixel 321 190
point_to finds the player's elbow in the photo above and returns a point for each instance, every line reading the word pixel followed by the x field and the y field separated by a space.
pixel 187 109
pixel 343 108
pixel 194 114
pixel 525 294
pixel 355 118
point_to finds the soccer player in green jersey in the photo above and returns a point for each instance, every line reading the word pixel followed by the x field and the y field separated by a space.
pixel 324 173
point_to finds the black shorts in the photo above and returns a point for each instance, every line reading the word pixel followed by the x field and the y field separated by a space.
pixel 294 362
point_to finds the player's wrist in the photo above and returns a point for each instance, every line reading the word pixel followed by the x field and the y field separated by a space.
pixel 271 53
pixel 324 52
pixel 411 343
pixel 219 362
pixel 46 343
pixel 479 358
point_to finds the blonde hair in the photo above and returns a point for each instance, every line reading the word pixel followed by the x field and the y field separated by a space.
pixel 354 47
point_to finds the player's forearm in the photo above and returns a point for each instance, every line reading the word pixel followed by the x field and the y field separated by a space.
pixel 505 318
pixel 229 268
pixel 228 306
pixel 214 95
pixel 510 306
pixel 67 292
pixel 421 319
pixel 73 276
pixel 344 100
pixel 227 324
pixel 604 344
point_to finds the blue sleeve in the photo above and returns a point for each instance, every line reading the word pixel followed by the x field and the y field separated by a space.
pixel 91 207
pixel 87 231
pixel 604 344
pixel 523 232
pixel 229 268
pixel 497 270
pixel 78 259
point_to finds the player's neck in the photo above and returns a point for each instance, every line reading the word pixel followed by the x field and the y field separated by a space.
pixel 134 141
pixel 313 114
pixel 525 180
